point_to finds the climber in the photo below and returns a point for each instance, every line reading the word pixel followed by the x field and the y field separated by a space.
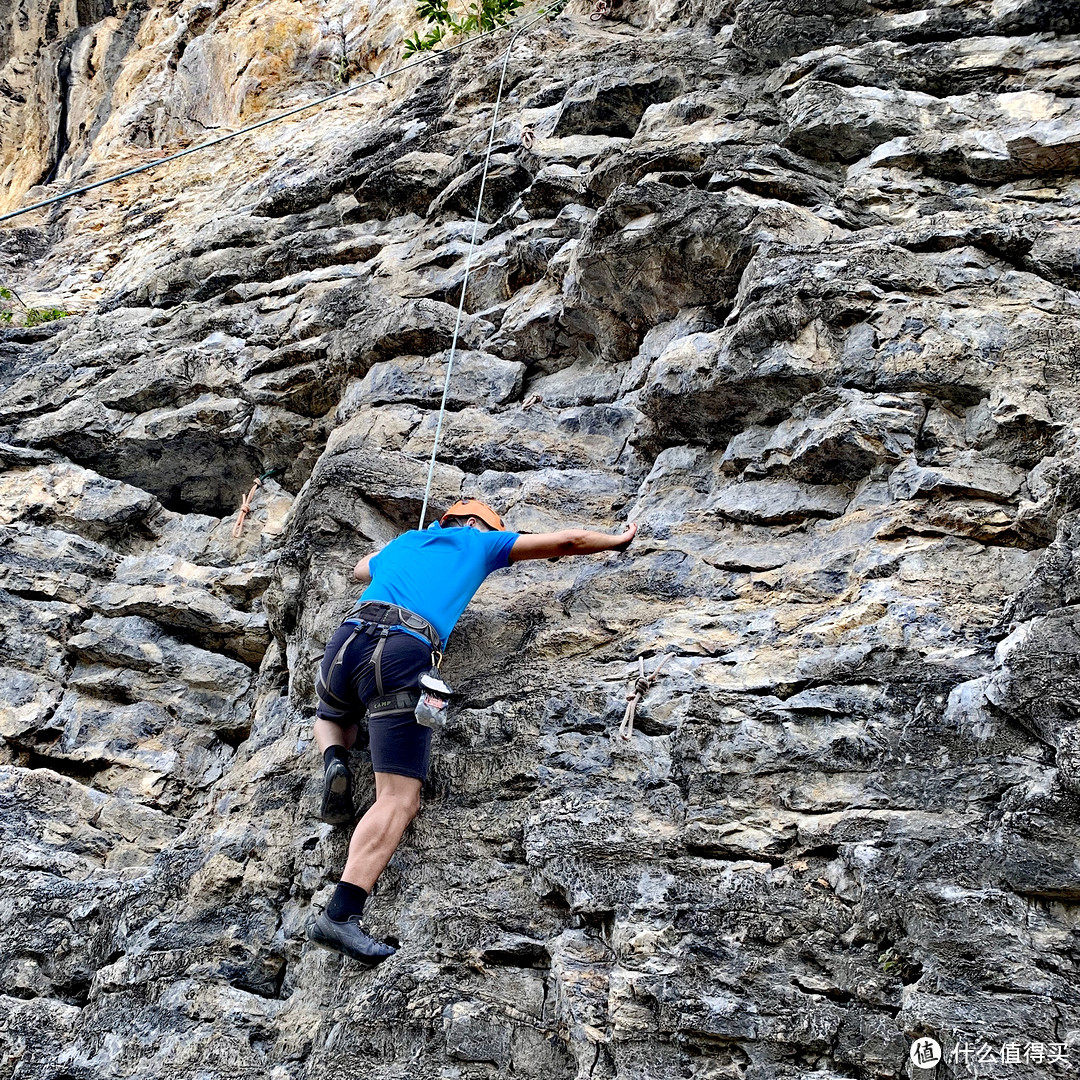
pixel 420 583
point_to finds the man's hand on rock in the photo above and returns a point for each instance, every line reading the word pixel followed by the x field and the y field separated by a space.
pixel 624 540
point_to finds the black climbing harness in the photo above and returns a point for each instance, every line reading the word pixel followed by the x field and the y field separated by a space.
pixel 375 618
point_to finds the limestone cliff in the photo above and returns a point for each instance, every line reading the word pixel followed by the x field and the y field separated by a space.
pixel 791 284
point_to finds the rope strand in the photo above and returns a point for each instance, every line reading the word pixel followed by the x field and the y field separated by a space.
pixel 639 689
pixel 468 267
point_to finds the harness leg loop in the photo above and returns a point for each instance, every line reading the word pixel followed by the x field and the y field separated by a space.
pixel 376 661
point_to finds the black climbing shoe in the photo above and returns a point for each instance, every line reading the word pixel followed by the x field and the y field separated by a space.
pixel 337 796
pixel 348 937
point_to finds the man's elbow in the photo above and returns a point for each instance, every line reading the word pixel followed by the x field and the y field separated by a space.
pixel 575 542
pixel 556 545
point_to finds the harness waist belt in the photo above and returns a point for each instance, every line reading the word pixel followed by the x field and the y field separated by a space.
pixel 378 613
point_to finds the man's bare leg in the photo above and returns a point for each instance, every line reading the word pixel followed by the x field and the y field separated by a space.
pixel 374 840
pixel 379 831
pixel 328 734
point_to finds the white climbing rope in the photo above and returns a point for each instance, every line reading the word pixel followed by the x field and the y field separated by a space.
pixel 468 264
pixel 317 103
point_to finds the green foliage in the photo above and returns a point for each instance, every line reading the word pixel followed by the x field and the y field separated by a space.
pixel 36 316
pixel 30 316
pixel 478 15
pixel 7 315
pixel 890 961
pixel 340 63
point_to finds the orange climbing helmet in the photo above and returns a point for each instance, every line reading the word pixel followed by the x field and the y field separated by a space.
pixel 475 508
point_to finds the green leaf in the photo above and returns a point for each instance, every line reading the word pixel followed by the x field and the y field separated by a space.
pixel 37 316
pixel 435 11
pixel 479 15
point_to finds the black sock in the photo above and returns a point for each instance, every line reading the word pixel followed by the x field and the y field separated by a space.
pixel 348 900
pixel 335 753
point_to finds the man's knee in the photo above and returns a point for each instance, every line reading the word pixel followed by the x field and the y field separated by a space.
pixel 409 804
pixel 342 732
pixel 402 798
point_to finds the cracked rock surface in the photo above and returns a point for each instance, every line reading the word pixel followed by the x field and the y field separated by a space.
pixel 791 285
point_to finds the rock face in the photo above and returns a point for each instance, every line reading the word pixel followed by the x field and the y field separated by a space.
pixel 794 287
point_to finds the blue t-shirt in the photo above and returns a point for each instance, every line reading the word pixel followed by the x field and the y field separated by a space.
pixel 437 572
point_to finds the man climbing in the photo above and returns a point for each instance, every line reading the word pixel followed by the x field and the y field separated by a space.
pixel 420 583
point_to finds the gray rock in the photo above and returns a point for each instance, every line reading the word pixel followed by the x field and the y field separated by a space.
pixel 611 104
pixel 791 287
pixel 478 379
pixel 553 187
pixel 967 474
pixel 839 435
pixel 704 249
pixel 774 502
pixel 77 501
pixel 405 185
pixel 506 179
pixel 836 122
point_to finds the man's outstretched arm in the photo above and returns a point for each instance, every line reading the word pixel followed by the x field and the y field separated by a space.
pixel 568 542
